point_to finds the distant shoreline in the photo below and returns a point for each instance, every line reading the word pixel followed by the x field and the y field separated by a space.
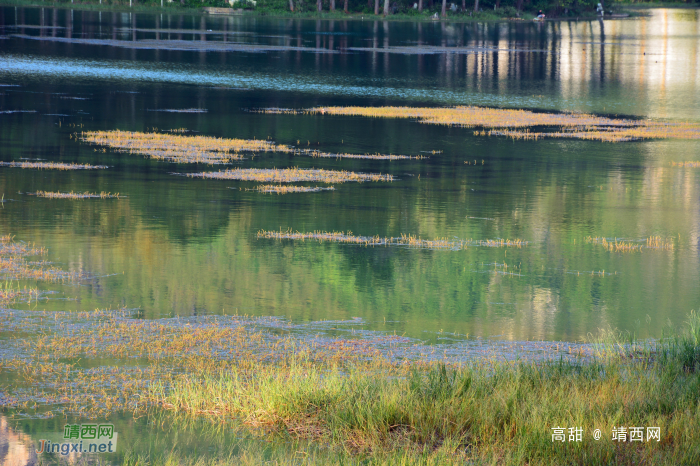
pixel 631 9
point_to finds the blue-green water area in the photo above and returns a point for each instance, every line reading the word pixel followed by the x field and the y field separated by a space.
pixel 173 246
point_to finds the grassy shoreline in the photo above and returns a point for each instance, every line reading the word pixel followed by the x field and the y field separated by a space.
pixel 347 404
pixel 486 413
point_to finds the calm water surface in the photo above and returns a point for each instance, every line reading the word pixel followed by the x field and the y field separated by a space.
pixel 188 247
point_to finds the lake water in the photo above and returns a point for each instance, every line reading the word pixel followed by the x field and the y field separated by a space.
pixel 178 246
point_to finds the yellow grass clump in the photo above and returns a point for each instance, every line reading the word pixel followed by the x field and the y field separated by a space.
pixel 503 243
pixel 653 242
pixel 52 165
pixel 181 149
pixel 516 123
pixel 657 242
pixel 291 175
pixel 686 164
pixel 349 238
pixel 72 195
pixel 280 189
pixel 14 265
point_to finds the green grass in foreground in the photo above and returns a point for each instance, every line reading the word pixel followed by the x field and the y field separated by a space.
pixel 483 414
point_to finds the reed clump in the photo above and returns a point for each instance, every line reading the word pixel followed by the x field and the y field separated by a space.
pixel 291 175
pixel 517 123
pixel 12 292
pixel 72 195
pixel 281 189
pixel 53 165
pixel 652 242
pixel 691 164
pixel 657 242
pixel 181 149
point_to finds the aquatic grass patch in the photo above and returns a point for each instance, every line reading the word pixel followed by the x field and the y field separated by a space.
pixel 503 243
pixel 205 149
pixel 98 363
pixel 651 243
pixel 72 195
pixel 281 189
pixel 402 240
pixel 178 148
pixel 11 292
pixel 690 164
pixel 349 238
pixel 179 110
pixel 291 175
pixel 15 263
pixel 318 154
pixel 519 124
pixel 53 165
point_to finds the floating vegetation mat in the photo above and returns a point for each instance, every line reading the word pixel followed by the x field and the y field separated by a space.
pixel 366 156
pixel 518 124
pixel 686 164
pixel 279 189
pixel 72 195
pixel 291 175
pixel 349 238
pixel 181 149
pixel 180 110
pixel 204 149
pixel 52 165
pixel 403 240
pixel 652 242
pixel 15 265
